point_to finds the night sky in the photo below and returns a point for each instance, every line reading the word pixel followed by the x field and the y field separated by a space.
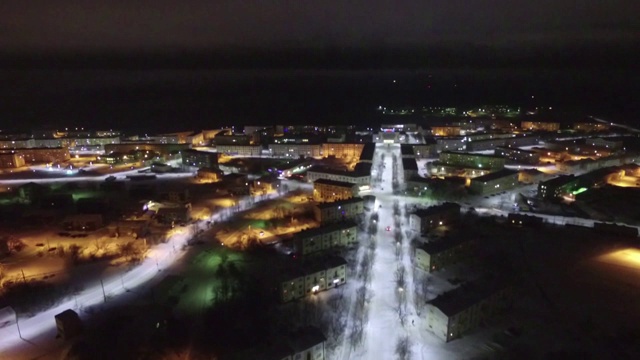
pixel 105 62
pixel 77 25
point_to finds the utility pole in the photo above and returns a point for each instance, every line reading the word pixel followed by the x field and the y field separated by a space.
pixel 24 278
pixel 103 293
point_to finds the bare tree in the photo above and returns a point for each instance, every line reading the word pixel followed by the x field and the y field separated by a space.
pixel 403 351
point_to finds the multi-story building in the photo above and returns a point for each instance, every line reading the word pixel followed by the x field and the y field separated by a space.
pixel 162 149
pixel 233 139
pixel 330 190
pixel 518 155
pixel 307 344
pixel 409 168
pixel 354 177
pixel 44 155
pixel 445 130
pixel 10 160
pixel 456 143
pixel 540 126
pixel 241 150
pixel 325 238
pixel 295 150
pixel 422 151
pixel 183 137
pixel 469 160
pixel 342 150
pixel 531 176
pixel 434 256
pixel 425 219
pixel 605 143
pixel 92 143
pixel 21 143
pixel 313 277
pixel 264 185
pixel 557 187
pixel 338 210
pixel 450 315
pixel 590 126
pixel 503 180
pixel 211 174
pixel 199 159
pixel 53 142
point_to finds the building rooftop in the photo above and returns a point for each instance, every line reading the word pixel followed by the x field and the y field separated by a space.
pixel 334 183
pixel 409 164
pixel 306 338
pixel 472 154
pixel 448 206
pixel 466 295
pixel 327 205
pixel 436 247
pixel 406 149
pixel 559 181
pixel 343 225
pixel 328 170
pixel 515 149
pixel 367 152
pixel 495 175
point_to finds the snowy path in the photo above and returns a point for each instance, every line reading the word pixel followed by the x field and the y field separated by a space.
pixel 384 327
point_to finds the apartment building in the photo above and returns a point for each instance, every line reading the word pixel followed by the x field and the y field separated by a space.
pixel 354 177
pixel 342 150
pixel 434 256
pixel 295 150
pixel 44 155
pixel 240 150
pixel 199 159
pixel 472 161
pixel 313 277
pixel 330 190
pixel 10 160
pixel 518 155
pixel 540 126
pixel 495 182
pixel 325 238
pixel 452 314
pixel 424 220
pixel 336 211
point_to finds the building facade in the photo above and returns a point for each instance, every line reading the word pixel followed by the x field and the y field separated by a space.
pixel 199 159
pixel 354 177
pixel 312 278
pixel 450 315
pixel 11 160
pixel 540 126
pixel 424 220
pixel 330 212
pixel 325 238
pixel 518 155
pixel 472 161
pixel 438 255
pixel 496 182
pixel 44 155
pixel 342 150
pixel 330 190
pixel 240 150
pixel 295 150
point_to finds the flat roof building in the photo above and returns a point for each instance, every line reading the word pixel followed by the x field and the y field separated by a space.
pixel 330 190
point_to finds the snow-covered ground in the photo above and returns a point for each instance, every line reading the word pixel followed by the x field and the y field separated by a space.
pixel 34 336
